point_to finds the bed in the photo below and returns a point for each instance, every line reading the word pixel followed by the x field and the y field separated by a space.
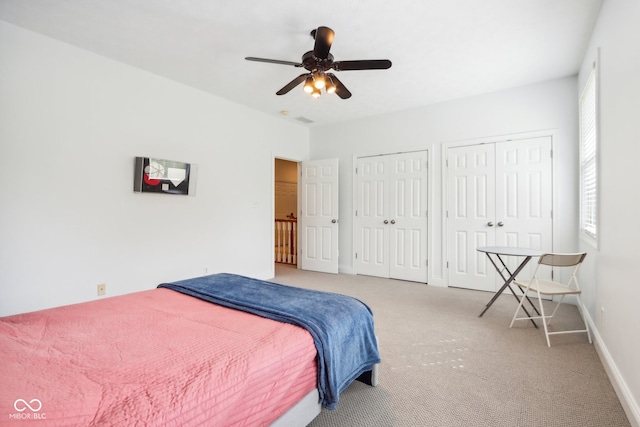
pixel 221 350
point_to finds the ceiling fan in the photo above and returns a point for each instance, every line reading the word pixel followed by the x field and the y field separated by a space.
pixel 318 61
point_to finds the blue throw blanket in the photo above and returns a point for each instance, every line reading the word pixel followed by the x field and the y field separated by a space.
pixel 341 326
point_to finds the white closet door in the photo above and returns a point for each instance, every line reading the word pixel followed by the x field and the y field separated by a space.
pixel 392 216
pixel 408 216
pixel 499 194
pixel 470 215
pixel 524 196
pixel 319 216
pixel 372 212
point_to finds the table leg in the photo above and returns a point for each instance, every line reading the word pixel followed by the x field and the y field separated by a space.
pixel 512 278
pixel 507 284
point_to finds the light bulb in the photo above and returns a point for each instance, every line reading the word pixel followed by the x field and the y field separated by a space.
pixel 308 85
pixel 315 93
pixel 319 81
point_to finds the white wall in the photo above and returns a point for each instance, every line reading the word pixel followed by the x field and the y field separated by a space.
pixel 550 107
pixel 614 271
pixel 71 123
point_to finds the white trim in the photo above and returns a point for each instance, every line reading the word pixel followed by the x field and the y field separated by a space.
pixel 430 220
pixel 346 269
pixel 630 406
pixel 354 221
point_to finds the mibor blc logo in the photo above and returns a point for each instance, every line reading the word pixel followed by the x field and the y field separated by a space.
pixel 27 410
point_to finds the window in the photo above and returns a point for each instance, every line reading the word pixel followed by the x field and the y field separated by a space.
pixel 588 157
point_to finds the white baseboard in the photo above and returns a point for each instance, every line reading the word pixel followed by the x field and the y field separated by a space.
pixel 345 269
pixel 629 405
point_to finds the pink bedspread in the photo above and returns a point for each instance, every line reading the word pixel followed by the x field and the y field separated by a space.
pixel 155 358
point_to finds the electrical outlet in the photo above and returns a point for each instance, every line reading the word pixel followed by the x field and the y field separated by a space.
pixel 102 288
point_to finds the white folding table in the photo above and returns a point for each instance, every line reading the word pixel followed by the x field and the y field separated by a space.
pixel 502 251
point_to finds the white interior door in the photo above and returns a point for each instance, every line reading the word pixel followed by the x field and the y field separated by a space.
pixel 319 216
pixel 392 216
pixel 373 216
pixel 470 215
pixel 408 216
pixel 524 196
pixel 499 194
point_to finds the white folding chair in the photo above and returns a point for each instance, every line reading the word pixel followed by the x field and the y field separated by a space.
pixel 553 288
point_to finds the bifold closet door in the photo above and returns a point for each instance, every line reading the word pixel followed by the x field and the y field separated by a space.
pixel 499 194
pixel 471 175
pixel 372 216
pixel 392 216
pixel 524 197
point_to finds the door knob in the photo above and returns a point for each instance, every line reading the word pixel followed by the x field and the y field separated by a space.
pixel 386 222
pixel 490 224
pixel 333 221
pixel 393 221
pixel 500 224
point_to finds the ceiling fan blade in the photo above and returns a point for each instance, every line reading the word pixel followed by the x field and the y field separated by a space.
pixel 341 90
pixel 273 61
pixel 324 39
pixel 293 83
pixel 366 64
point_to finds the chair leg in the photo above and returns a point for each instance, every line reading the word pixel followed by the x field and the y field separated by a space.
pixel 556 308
pixel 584 319
pixel 515 315
pixel 544 319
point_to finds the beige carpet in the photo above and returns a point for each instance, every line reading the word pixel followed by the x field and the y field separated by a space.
pixel 444 366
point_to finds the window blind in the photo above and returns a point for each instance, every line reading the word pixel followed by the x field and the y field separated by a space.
pixel 588 157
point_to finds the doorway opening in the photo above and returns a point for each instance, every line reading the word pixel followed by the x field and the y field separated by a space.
pixel 285 212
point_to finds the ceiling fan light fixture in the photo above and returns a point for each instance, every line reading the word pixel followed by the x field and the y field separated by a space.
pixel 308 85
pixel 317 64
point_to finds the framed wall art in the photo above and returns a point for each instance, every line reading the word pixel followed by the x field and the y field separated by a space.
pixel 153 175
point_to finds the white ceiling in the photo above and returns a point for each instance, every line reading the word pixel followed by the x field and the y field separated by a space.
pixel 440 49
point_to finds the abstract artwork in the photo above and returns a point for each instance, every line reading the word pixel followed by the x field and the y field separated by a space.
pixel 163 176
